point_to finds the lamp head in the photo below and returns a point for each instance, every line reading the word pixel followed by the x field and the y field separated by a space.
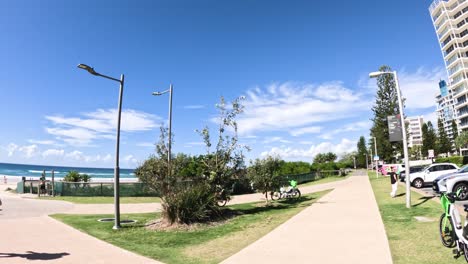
pixel 87 68
pixel 157 93
pixel 375 74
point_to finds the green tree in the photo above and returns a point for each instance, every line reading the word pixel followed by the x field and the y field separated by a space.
pixel 443 142
pixel 462 140
pixel 293 167
pixel 224 159
pixel 454 132
pixel 75 176
pixel 264 174
pixel 361 153
pixel 415 152
pixel 386 104
pixel 325 157
pixel 346 160
pixel 429 138
pixel 186 196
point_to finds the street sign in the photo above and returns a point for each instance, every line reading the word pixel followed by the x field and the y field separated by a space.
pixel 430 153
pixel 394 128
pixel 376 157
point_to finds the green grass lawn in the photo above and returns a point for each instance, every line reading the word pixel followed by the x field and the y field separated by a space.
pixel 207 244
pixel 411 241
pixel 324 180
pixel 103 199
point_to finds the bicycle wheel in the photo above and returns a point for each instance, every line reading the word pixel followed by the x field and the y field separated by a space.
pixel 296 194
pixel 275 196
pixel 222 202
pixel 447 235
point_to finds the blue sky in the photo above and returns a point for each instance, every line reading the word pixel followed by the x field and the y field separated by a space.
pixel 302 66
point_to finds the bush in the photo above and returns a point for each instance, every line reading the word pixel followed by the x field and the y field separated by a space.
pixel 264 174
pixel 197 203
pixel 74 176
pixel 459 160
pixel 324 166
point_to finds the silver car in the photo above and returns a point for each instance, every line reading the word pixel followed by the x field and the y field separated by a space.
pixel 453 182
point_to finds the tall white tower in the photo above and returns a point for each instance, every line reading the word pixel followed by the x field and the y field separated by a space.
pixel 450 19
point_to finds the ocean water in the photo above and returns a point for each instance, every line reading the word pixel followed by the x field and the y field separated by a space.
pixel 59 171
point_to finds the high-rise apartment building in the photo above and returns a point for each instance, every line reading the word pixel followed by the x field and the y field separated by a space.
pixel 415 130
pixel 450 19
pixel 445 107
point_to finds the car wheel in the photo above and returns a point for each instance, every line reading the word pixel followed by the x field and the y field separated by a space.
pixel 418 183
pixel 463 188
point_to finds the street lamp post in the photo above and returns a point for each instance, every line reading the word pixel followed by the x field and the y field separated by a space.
pixel 377 161
pixel 354 160
pixel 403 127
pixel 117 145
pixel 170 91
pixel 367 162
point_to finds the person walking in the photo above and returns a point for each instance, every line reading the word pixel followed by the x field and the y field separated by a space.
pixel 394 180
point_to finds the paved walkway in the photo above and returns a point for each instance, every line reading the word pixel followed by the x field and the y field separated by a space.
pixel 342 227
pixel 27 235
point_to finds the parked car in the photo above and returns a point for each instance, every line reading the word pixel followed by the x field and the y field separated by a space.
pixel 413 169
pixel 453 182
pixel 430 173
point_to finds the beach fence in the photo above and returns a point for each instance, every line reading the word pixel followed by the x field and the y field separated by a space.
pixel 311 176
pixel 133 189
pixel 61 188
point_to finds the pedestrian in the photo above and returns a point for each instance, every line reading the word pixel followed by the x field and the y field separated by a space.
pixel 394 180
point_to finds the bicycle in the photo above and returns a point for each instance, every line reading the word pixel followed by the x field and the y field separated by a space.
pixel 451 231
pixel 222 197
pixel 287 192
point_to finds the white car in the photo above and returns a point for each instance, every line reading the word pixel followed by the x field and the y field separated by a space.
pixel 454 182
pixel 430 173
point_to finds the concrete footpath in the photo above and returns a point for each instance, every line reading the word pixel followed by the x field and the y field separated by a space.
pixel 28 235
pixel 342 227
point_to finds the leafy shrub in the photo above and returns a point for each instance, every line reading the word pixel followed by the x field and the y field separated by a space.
pixel 264 174
pixel 324 166
pixel 459 160
pixel 187 205
pixel 74 176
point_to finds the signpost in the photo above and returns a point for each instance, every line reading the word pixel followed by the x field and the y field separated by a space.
pixel 430 154
pixel 395 133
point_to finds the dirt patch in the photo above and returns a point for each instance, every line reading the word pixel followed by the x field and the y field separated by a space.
pixel 226 246
pixel 162 225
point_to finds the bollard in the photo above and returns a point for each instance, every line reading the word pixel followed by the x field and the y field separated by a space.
pixel 53 184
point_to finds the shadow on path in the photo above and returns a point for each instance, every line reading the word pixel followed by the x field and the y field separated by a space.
pixel 424 199
pixel 31 255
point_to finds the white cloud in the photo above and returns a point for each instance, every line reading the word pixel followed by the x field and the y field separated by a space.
pixel 11 148
pixel 42 142
pixel 289 153
pixel 97 125
pixel 275 139
pixel 53 152
pixel 420 87
pixel 194 106
pixel 28 151
pixel 358 126
pixel 145 144
pixel 431 116
pixel 130 159
pixel 305 130
pixel 76 155
pixel 290 105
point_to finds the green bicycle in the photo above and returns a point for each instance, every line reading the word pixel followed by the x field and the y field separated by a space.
pixel 451 231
